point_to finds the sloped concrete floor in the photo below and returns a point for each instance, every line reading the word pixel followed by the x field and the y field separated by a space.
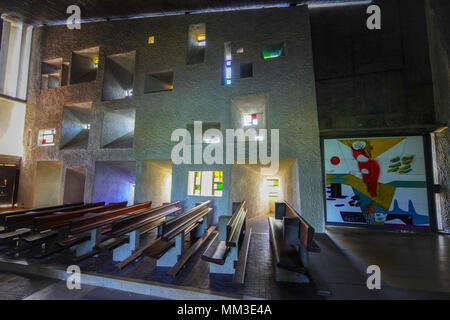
pixel 413 265
pixel 27 287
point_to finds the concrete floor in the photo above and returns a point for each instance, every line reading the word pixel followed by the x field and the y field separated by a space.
pixel 27 287
pixel 413 266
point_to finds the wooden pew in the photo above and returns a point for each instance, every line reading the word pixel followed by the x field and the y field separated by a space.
pixel 62 219
pixel 56 224
pixel 168 248
pixel 26 220
pixel 227 254
pixel 24 238
pixel 291 239
pixel 5 214
pixel 134 226
pixel 96 224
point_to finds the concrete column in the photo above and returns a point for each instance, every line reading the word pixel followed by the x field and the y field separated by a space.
pixel 438 26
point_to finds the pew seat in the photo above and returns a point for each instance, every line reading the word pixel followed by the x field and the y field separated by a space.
pixel 158 248
pixel 216 254
pixel 286 256
pixel 227 253
pixel 38 237
pixel 292 240
pixel 14 234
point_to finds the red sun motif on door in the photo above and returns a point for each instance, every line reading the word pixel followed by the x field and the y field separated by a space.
pixel 335 160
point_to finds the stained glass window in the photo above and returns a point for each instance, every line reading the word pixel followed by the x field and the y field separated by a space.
pixel 272 51
pixel 205 183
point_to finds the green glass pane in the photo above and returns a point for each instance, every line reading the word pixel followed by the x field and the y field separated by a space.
pixel 275 183
pixel 272 51
pixel 219 186
pixel 197 187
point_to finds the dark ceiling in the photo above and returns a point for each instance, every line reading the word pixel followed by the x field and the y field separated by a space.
pixel 54 11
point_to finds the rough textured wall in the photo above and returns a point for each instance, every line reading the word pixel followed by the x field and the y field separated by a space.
pixel 156 181
pixel 198 93
pixel 74 186
pixel 114 181
pixel 372 79
pixel 439 35
pixel 12 116
pixel 48 181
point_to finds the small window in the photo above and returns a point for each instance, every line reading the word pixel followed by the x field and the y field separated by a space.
pixel 51 73
pixel 246 70
pixel 196 43
pixel 205 183
pixel 159 81
pixel 118 129
pixel 273 51
pixel 84 65
pixel 251 120
pixel 228 61
pixel 46 137
pixel 118 77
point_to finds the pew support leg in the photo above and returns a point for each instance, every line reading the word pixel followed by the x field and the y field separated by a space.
pixel 229 266
pixel 127 249
pixel 201 229
pixel 88 245
pixel 170 258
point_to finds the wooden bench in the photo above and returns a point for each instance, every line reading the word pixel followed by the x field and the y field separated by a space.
pixel 14 235
pixel 168 248
pixel 129 229
pixel 62 219
pixel 291 239
pixel 96 224
pixel 26 220
pixel 58 224
pixel 227 254
pixel 5 214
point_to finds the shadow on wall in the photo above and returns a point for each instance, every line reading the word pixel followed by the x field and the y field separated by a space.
pixel 260 191
pixel 118 129
pixel 74 185
pixel 156 182
pixel 47 184
pixel 114 181
pixel 75 126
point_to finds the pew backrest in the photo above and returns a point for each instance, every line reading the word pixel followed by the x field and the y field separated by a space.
pixel 27 219
pixel 5 214
pixel 90 222
pixel 236 225
pixel 297 225
pixel 184 220
pixel 144 218
pixel 60 219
